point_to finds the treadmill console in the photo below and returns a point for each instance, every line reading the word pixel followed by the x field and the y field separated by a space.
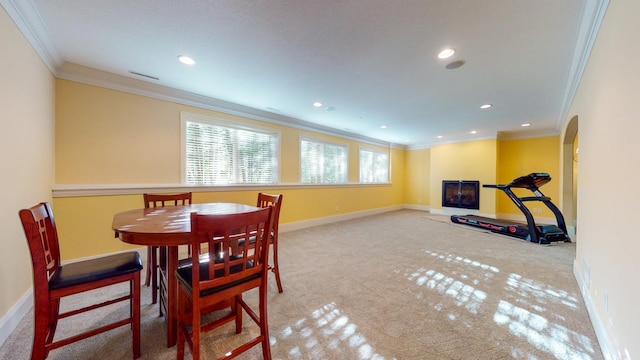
pixel 533 180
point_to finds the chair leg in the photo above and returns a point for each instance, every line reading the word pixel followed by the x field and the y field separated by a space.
pixel 275 268
pixel 147 280
pixel 236 307
pixel 195 334
pixel 43 330
pixel 135 314
pixel 154 274
pixel 162 276
pixel 181 326
pixel 264 327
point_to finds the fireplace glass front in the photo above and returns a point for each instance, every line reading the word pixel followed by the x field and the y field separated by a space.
pixel 463 194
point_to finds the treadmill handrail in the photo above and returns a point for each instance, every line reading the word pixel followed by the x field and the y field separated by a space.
pixel 531 182
pixel 535 198
pixel 493 186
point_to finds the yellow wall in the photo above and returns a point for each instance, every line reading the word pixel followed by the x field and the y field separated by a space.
pixel 473 160
pixel 111 137
pixel 26 155
pixel 107 136
pixel 520 157
pixel 417 177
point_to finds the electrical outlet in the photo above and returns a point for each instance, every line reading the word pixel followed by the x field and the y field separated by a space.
pixel 606 301
pixel 337 208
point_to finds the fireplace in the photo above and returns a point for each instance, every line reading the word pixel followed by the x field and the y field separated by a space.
pixel 464 194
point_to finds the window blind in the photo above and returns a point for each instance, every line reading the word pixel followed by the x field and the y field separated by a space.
pixel 322 162
pixel 374 166
pixel 222 154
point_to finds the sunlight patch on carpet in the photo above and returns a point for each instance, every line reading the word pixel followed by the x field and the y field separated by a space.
pixel 328 328
pixel 546 336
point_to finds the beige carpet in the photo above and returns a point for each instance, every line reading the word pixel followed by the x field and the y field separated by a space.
pixel 401 285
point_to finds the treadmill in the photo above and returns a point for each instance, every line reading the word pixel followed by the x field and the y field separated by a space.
pixel 540 234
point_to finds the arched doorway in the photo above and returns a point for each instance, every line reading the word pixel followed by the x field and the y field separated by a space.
pixel 570 175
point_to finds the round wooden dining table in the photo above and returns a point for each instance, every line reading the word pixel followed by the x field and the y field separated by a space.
pixel 168 227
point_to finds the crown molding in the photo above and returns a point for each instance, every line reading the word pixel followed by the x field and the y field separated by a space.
pixel 516 135
pixel 590 22
pixel 28 20
pixel 90 76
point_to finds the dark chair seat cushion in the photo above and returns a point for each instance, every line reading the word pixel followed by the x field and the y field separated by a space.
pixel 187 261
pixel 252 240
pixel 184 275
pixel 87 271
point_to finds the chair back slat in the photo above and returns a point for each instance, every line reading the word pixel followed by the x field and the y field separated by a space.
pixel 161 200
pixel 217 235
pixel 42 237
pixel 265 200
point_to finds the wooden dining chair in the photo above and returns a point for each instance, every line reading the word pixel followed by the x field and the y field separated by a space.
pixel 204 285
pixel 265 200
pixel 53 281
pixel 153 201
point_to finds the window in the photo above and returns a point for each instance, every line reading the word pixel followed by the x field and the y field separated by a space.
pixel 374 166
pixel 220 153
pixel 322 162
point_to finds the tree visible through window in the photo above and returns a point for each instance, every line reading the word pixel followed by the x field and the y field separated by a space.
pixel 374 166
pixel 218 153
pixel 322 162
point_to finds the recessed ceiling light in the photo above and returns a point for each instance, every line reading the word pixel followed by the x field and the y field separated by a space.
pixel 525 125
pixel 186 60
pixel 486 106
pixel 383 126
pixel 439 136
pixel 317 104
pixel 473 131
pixel 446 53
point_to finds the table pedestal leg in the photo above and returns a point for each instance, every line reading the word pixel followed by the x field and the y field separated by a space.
pixel 171 284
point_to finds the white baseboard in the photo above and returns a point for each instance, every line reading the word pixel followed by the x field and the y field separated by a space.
pixel 608 350
pixel 10 321
pixel 335 218
pixel 418 207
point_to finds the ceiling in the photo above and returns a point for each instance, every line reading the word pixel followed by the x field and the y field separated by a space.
pixel 369 62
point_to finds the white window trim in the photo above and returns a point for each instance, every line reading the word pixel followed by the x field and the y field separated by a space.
pixel 322 141
pixel 383 152
pixel 192 117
